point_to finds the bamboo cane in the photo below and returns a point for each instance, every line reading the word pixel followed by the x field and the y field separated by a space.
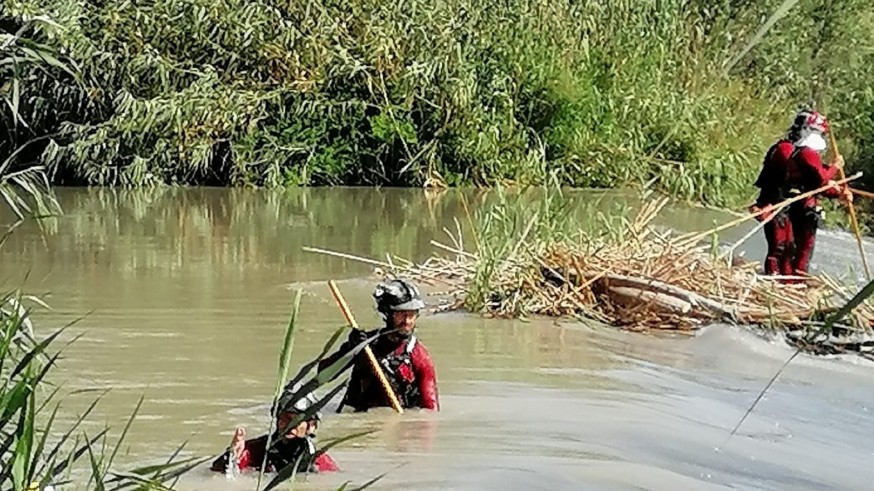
pixel 853 221
pixel 370 356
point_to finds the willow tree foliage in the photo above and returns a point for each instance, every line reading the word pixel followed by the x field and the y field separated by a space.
pixel 592 93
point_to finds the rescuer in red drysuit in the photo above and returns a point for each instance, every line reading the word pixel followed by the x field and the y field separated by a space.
pixel 404 359
pixel 298 442
pixel 792 166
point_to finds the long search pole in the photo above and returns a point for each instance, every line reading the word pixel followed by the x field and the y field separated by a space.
pixel 853 221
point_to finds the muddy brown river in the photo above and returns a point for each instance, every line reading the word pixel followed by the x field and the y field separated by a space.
pixel 184 296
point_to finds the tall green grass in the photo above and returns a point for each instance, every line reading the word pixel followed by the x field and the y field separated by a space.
pixel 33 450
pixel 685 95
pixel 285 396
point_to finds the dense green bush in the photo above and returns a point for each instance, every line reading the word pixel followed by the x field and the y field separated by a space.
pixel 684 94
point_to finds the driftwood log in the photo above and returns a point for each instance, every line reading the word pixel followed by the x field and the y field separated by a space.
pixel 634 297
pixel 667 293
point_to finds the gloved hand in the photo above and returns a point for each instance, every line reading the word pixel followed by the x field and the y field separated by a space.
pixel 357 336
pixel 846 195
pixel 769 210
pixel 238 444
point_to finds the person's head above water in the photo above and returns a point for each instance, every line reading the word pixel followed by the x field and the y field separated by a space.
pixel 287 412
pixel 399 302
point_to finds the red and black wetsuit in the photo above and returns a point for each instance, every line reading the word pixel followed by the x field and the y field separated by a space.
pixel 406 364
pixel 284 452
pixel 791 235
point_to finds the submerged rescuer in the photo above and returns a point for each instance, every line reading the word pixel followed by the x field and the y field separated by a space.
pixel 402 356
pixel 792 166
pixel 287 443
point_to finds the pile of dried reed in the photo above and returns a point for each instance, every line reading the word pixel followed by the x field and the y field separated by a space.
pixel 648 280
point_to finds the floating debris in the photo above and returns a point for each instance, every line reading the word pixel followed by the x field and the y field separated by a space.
pixel 647 280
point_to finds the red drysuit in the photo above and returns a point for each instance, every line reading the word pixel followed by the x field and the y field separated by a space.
pixel 791 235
pixel 406 364
pixel 284 453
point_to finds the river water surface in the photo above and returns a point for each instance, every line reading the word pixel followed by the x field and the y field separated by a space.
pixel 185 295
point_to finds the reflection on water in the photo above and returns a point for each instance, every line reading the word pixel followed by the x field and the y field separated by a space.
pixel 186 295
pixel 180 232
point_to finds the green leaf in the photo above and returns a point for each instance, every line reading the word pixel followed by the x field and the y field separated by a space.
pixel 854 302
pixel 330 372
pixel 284 361
pixel 134 479
pixel 47 429
pixel 24 445
pixel 51 457
pixel 176 473
pixel 96 474
pixel 371 482
pixel 124 432
pixel 288 343
pixel 309 366
pixel 13 400
pixel 77 454
pixel 40 52
pixel 25 361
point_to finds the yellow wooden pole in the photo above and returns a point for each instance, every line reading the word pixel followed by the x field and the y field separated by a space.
pixel 691 238
pixel 853 221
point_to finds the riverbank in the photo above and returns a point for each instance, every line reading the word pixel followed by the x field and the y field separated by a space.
pixel 419 94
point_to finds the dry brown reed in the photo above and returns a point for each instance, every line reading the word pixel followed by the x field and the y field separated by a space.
pixel 649 280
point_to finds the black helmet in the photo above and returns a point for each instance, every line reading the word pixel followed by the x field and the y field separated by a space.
pixel 397 295
pixel 301 404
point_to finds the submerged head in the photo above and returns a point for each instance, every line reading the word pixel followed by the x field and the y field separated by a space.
pixel 302 429
pixel 289 410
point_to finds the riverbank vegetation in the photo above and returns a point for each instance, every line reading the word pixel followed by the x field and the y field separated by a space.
pixel 682 95
pixel 37 455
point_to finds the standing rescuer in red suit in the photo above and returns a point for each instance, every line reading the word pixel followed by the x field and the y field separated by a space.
pixel 404 359
pixel 792 166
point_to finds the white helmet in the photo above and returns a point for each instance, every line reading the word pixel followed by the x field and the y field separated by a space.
pixel 809 129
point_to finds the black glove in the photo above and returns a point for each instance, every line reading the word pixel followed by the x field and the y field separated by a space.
pixel 357 336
